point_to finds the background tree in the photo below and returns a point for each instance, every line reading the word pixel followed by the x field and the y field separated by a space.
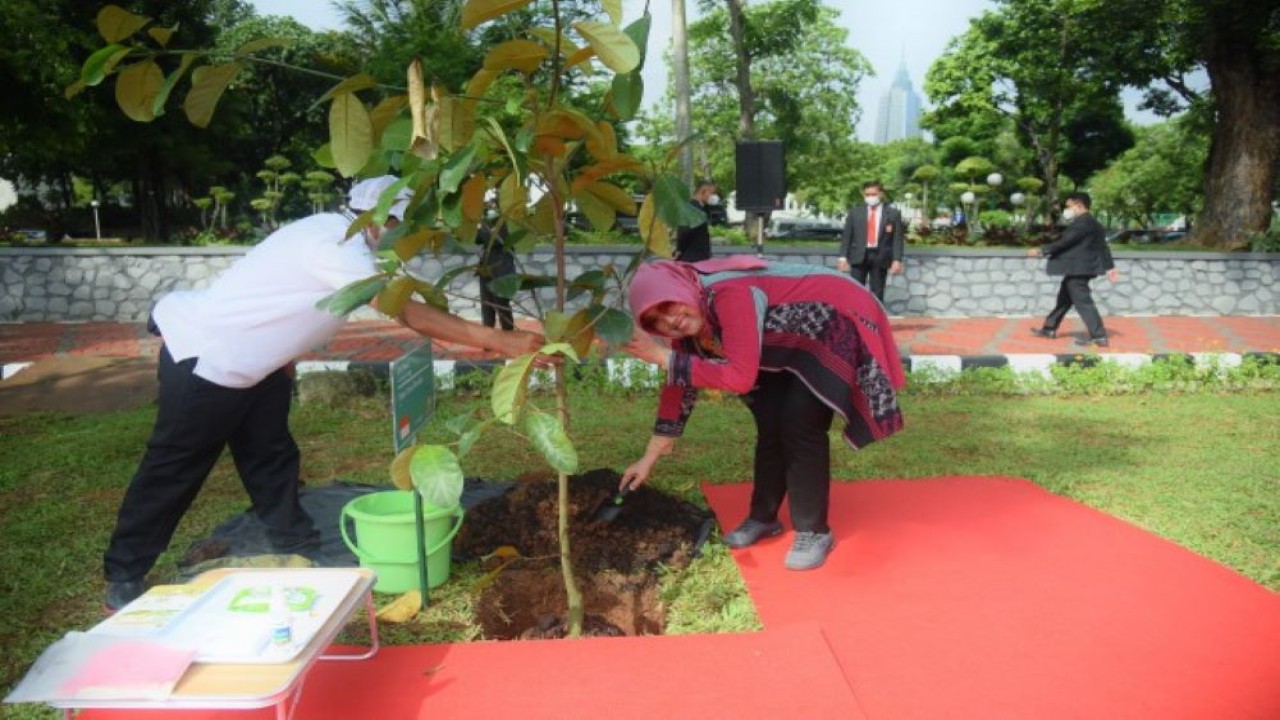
pixel 1047 66
pixel 803 80
pixel 1159 174
pixel 48 139
pixel 1237 43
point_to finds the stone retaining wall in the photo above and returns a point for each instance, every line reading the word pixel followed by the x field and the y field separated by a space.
pixel 121 284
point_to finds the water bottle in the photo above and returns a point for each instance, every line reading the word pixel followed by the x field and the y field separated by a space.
pixel 281 618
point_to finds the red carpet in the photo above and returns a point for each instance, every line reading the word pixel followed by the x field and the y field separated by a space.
pixel 950 598
pixel 991 598
pixel 750 676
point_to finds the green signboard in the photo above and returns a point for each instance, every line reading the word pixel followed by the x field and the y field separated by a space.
pixel 413 395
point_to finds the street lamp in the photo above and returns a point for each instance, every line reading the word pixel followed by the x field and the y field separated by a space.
pixel 97 226
pixel 968 200
pixel 1017 199
pixel 907 197
pixel 995 180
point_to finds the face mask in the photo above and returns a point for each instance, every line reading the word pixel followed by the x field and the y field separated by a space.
pixel 1068 214
pixel 872 200
pixel 713 200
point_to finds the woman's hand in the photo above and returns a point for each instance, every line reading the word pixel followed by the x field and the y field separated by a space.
pixel 644 347
pixel 514 343
pixel 638 472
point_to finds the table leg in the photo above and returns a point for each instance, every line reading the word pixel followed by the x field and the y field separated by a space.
pixel 372 612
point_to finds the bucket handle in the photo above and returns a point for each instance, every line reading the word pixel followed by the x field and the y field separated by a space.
pixel 457 512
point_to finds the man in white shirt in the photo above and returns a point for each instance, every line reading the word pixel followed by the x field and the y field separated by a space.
pixel 225 380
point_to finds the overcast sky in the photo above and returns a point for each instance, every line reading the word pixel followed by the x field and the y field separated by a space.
pixel 886 33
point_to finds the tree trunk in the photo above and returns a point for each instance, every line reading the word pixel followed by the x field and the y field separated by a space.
pixel 151 201
pixel 746 96
pixel 680 69
pixel 753 222
pixel 1241 169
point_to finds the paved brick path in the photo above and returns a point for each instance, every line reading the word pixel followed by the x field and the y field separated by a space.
pixel 380 341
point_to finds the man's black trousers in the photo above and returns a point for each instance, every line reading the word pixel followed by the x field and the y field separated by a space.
pixel 872 275
pixel 1075 291
pixel 196 419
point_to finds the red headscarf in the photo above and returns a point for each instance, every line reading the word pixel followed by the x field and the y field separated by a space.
pixel 664 281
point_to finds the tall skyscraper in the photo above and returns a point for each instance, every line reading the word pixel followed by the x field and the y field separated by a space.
pixel 899 115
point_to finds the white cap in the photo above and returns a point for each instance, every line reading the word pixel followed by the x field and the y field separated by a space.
pixel 364 196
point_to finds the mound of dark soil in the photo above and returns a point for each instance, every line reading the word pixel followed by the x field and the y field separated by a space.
pixel 652 527
pixel 613 561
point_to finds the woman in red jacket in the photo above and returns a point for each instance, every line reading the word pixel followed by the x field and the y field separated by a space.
pixel 799 343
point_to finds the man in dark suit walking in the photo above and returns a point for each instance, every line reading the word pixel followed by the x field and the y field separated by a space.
pixel 872 242
pixel 693 244
pixel 1079 255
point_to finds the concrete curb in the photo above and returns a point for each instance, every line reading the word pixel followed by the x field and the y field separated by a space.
pixel 448 371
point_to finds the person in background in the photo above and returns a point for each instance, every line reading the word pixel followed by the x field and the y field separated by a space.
pixel 1079 255
pixel 495 262
pixel 799 343
pixel 225 380
pixel 693 244
pixel 873 240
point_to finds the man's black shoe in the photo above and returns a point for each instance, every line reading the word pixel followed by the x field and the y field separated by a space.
pixel 1093 342
pixel 120 594
pixel 1044 333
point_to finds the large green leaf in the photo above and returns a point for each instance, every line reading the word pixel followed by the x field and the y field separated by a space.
pixel 350 133
pixel 457 169
pixel 671 200
pixel 612 46
pixel 523 55
pixel 506 286
pixel 323 156
pixel 162 97
pixel 458 423
pixel 101 63
pixel 560 348
pixel 510 388
pixel 468 439
pixel 437 475
pixel 591 281
pixel 600 213
pixel 116 24
pixel 357 294
pixel 208 82
pixel 613 325
pixel 628 92
pixel 476 12
pixel 136 90
pixel 638 31
pixel 547 434
pixel 398 134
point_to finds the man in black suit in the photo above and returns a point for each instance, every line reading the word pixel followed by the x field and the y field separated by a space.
pixel 1079 255
pixel 872 242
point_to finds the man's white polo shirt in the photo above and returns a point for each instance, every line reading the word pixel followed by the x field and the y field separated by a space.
pixel 260 314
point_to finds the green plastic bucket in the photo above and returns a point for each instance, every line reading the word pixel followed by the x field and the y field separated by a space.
pixel 384 538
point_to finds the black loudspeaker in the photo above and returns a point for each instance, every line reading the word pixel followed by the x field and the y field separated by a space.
pixel 762 176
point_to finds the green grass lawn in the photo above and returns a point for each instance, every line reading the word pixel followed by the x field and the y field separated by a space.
pixel 1198 469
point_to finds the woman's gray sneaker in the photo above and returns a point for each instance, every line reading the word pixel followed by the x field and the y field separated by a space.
pixel 750 532
pixel 809 550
